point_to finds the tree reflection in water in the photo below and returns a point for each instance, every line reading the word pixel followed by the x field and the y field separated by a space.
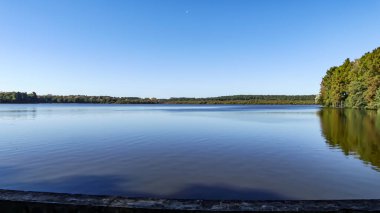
pixel 355 132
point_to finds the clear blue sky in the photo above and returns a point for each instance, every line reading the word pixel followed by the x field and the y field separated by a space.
pixel 171 48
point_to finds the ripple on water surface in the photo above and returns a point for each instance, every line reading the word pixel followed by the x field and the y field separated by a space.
pixel 191 151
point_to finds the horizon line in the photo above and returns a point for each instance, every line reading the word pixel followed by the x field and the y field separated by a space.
pixel 160 97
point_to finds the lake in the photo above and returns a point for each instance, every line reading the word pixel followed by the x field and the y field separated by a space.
pixel 191 151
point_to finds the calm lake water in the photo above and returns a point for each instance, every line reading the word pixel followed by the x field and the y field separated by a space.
pixel 191 151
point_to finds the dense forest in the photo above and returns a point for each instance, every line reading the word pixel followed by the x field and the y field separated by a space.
pixel 354 84
pixel 22 97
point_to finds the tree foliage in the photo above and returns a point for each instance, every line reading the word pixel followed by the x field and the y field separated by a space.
pixel 354 84
pixel 22 97
pixel 246 99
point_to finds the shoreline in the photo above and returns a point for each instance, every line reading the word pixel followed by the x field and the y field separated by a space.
pixel 171 104
pixel 27 201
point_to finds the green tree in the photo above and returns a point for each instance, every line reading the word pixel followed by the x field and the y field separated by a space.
pixel 353 84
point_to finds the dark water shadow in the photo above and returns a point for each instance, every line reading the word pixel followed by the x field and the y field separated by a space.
pixel 116 185
pixel 222 192
pixel 86 184
pixel 7 172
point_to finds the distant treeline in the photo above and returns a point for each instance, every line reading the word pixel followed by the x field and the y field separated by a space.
pixel 354 84
pixel 246 99
pixel 22 97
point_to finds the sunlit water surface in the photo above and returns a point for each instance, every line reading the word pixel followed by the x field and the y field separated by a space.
pixel 191 151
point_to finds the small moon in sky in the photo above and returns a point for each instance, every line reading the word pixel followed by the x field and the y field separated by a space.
pixel 187 12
